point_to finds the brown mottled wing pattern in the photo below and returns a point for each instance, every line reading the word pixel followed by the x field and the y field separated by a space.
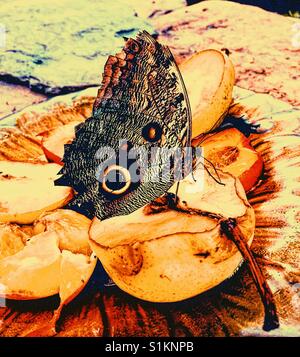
pixel 141 88
pixel 145 78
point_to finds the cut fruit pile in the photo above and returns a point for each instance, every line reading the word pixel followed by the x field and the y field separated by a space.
pixel 27 190
pixel 50 257
pixel 162 254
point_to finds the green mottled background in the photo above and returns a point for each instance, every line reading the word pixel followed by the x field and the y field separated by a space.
pixel 59 46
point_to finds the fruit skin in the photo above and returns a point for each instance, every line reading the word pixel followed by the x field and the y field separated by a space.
pixel 209 105
pixel 170 256
pixel 250 177
pixel 27 190
pixel 51 156
pixel 247 165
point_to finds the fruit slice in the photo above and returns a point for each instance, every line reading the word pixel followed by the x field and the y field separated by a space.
pixel 33 272
pixel 17 146
pixel 53 142
pixel 27 190
pixel 12 240
pixel 75 271
pixel 44 260
pixel 74 228
pixel 230 151
pixel 209 78
pixel 54 257
pixel 164 254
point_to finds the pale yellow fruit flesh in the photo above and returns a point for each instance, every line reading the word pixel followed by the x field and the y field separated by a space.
pixel 34 271
pixel 209 78
pixel 183 254
pixel 75 271
pixel 29 170
pixel 72 229
pixel 27 190
pixel 12 240
pixel 48 262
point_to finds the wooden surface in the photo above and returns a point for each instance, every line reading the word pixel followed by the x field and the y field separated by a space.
pixel 231 309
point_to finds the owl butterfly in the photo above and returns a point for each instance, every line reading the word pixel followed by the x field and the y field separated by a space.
pixel 128 152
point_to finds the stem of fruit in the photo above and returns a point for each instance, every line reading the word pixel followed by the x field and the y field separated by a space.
pixel 232 231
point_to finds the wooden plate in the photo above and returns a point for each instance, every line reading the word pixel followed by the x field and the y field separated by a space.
pixel 234 307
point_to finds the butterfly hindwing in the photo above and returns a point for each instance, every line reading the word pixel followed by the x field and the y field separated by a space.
pixel 142 101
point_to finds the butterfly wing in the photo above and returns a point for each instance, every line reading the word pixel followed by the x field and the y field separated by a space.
pixel 142 110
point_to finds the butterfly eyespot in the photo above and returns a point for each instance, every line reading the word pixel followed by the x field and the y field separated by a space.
pixel 152 132
pixel 116 180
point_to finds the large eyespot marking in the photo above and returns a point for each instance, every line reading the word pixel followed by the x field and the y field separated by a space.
pixel 152 132
pixel 116 180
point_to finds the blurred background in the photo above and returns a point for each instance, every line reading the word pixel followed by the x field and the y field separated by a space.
pixel 54 48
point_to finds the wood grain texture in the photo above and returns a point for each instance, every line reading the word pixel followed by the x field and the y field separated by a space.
pixel 234 307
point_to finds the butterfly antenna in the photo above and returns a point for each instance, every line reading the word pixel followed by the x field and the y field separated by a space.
pixel 211 175
pixel 213 166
